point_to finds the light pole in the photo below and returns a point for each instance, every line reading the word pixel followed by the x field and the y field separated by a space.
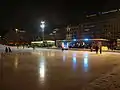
pixel 16 43
pixel 42 26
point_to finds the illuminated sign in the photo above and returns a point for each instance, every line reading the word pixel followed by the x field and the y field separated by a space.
pixel 91 15
pixel 64 44
pixel 99 13
pixel 110 11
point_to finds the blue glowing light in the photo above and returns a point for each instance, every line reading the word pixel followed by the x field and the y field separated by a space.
pixel 65 44
pixel 85 64
pixel 86 39
pixel 74 54
pixel 74 60
pixel 74 40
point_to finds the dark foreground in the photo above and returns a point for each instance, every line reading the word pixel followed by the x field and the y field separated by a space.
pixel 57 70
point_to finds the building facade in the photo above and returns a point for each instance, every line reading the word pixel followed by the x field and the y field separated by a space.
pixel 73 32
pixel 102 25
pixel 105 25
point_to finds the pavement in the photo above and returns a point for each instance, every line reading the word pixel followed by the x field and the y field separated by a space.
pixel 52 69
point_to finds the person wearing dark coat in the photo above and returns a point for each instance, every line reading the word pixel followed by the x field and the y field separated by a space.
pixel 100 49
pixel 6 50
pixel 96 49
pixel 9 49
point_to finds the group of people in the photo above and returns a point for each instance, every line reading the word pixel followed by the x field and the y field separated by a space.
pixel 8 49
pixel 97 47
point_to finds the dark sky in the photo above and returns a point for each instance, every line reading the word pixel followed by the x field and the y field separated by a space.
pixel 28 14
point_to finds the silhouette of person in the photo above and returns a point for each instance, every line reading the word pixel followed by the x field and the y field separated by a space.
pixel 96 48
pixel 9 49
pixel 6 50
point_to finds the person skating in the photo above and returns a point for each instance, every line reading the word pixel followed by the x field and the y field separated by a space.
pixel 91 48
pixel 9 49
pixel 6 50
pixel 100 49
pixel 96 49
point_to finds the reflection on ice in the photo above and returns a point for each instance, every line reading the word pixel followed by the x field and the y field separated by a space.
pixel 85 62
pixel 48 54
pixel 42 69
pixel 52 54
pixel 16 62
pixel 86 54
pixel 41 53
pixel 64 58
pixel 74 60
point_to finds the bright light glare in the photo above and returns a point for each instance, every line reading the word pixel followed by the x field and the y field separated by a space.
pixel 74 60
pixel 86 39
pixel 37 42
pixel 54 31
pixel 74 40
pixel 42 71
pixel 16 62
pixel 50 41
pixel 16 30
pixel 42 25
pixel 86 61
pixel 43 22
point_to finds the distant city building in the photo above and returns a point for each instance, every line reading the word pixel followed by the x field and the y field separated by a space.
pixel 59 34
pixel 13 37
pixel 73 32
pixel 105 25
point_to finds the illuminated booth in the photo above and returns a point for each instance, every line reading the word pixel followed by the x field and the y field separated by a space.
pixel 46 43
pixel 82 43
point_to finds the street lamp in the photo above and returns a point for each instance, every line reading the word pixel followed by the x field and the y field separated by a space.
pixel 42 26
pixel 16 30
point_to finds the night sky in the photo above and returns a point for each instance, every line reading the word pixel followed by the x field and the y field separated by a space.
pixel 27 14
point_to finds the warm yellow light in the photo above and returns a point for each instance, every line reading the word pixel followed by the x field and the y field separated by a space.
pixel 105 48
pixel 51 41
pixel 37 42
